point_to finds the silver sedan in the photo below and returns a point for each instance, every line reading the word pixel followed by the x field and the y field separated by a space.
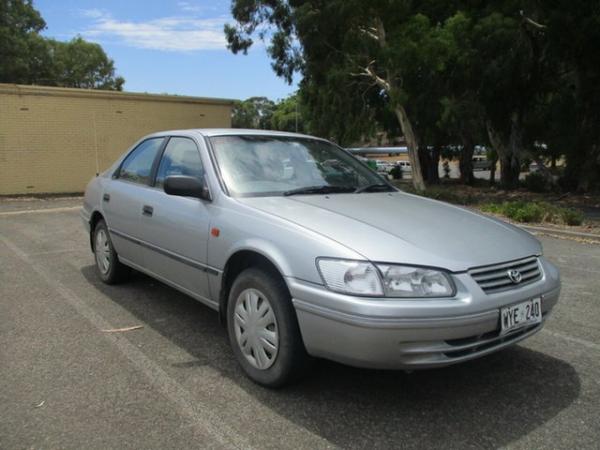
pixel 306 252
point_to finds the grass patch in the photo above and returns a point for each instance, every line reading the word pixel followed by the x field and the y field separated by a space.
pixel 538 212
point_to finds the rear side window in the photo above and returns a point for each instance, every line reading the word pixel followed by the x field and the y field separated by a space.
pixel 181 157
pixel 137 167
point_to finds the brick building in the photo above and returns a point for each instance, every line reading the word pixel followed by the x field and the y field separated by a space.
pixel 53 140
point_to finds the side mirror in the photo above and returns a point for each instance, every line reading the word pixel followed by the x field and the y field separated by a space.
pixel 185 186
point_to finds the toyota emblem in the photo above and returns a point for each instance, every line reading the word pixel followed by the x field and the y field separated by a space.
pixel 515 276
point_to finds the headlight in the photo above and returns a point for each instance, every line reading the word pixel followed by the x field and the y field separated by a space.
pixel 389 280
pixel 350 277
pixel 406 281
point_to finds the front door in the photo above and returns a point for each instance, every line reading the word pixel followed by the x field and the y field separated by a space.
pixel 176 228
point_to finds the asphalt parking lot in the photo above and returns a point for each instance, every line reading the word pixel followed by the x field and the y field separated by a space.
pixel 66 383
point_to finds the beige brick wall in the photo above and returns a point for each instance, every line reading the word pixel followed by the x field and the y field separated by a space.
pixel 53 140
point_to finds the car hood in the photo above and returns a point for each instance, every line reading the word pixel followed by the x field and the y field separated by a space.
pixel 404 228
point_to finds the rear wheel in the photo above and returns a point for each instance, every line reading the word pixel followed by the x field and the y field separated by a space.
pixel 109 268
pixel 263 329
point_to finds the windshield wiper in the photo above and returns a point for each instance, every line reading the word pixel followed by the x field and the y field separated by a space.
pixel 373 187
pixel 325 189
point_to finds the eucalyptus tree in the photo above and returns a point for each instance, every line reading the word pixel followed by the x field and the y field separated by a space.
pixel 573 105
pixel 392 47
pixel 254 112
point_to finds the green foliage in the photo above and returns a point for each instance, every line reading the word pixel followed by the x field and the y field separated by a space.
pixel 265 114
pixel 506 74
pixel 20 42
pixel 571 216
pixel 573 100
pixel 396 173
pixel 521 211
pixel 29 58
pixel 81 64
pixel 535 212
pixel 254 112
pixel 287 116
pixel 535 182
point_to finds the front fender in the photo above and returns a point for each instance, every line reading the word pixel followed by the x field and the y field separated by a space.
pixel 291 248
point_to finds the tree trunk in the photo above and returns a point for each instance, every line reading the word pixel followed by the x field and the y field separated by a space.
pixel 508 149
pixel 510 168
pixel 413 147
pixel 389 85
pixel 434 167
pixel 430 161
pixel 493 171
pixel 466 160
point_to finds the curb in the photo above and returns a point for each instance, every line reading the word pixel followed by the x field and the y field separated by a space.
pixel 575 234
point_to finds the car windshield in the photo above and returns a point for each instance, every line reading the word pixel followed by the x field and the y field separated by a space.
pixel 253 166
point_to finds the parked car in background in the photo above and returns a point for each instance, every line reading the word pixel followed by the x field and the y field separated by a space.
pixel 305 252
pixel 404 166
pixel 480 162
pixel 384 166
pixel 534 167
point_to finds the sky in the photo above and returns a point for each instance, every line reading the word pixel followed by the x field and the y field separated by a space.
pixel 167 47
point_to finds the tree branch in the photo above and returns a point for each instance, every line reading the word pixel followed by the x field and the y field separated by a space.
pixel 371 32
pixel 380 32
pixel 532 22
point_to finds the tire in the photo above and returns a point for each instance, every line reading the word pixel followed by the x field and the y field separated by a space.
pixel 108 267
pixel 260 309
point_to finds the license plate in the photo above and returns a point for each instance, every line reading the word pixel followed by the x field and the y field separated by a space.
pixel 520 315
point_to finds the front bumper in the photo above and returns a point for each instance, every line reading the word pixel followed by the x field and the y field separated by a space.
pixel 414 333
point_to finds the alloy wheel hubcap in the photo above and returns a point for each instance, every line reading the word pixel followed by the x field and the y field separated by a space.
pixel 256 328
pixel 102 251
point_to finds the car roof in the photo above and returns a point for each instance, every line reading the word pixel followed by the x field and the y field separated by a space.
pixel 209 132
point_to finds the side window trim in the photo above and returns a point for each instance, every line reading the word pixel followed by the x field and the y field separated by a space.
pixel 157 161
pixel 162 151
pixel 117 173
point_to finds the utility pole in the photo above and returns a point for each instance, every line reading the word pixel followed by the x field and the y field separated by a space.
pixel 296 114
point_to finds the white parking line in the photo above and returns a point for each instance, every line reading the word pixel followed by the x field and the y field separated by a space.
pixel 170 388
pixel 207 421
pixel 38 211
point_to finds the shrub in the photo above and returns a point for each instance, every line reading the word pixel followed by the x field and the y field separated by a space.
pixel 524 212
pixel 527 212
pixel 396 173
pixel 536 182
pixel 494 208
pixel 571 216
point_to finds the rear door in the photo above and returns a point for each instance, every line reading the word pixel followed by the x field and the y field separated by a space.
pixel 122 198
pixel 177 227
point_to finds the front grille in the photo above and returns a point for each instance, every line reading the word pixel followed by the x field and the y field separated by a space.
pixel 496 278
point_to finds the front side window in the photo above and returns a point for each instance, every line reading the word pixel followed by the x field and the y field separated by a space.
pixel 276 165
pixel 137 167
pixel 181 157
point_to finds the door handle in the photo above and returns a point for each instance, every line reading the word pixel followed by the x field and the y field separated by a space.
pixel 147 210
pixel 106 198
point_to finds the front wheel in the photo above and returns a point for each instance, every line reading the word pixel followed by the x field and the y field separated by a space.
pixel 263 329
